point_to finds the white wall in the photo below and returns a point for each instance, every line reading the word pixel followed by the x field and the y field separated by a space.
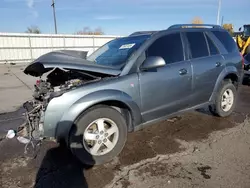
pixel 20 48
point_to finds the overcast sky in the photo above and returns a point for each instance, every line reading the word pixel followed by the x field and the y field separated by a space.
pixel 119 17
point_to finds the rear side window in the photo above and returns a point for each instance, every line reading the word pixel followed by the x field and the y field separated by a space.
pixel 212 48
pixel 168 47
pixel 227 41
pixel 197 44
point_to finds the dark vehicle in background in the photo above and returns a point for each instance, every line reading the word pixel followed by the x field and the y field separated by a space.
pixel 247 63
pixel 246 78
pixel 92 103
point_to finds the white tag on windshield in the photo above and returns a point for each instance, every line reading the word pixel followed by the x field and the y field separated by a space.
pixel 127 46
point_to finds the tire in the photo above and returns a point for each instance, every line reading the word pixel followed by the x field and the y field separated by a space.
pixel 217 108
pixel 87 154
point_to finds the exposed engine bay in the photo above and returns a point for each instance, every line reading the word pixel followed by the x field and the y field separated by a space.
pixel 57 72
pixel 57 82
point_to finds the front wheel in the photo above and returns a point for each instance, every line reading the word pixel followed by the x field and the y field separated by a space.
pixel 98 135
pixel 225 100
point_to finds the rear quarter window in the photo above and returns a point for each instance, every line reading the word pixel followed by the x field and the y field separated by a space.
pixel 227 41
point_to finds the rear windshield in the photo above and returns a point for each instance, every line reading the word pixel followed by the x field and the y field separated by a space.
pixel 116 52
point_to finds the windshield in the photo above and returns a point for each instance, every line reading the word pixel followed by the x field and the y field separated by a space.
pixel 247 30
pixel 116 52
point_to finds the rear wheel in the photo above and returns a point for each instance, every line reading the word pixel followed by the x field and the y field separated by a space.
pixel 225 100
pixel 98 136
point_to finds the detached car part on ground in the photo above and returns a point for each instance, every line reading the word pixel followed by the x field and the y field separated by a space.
pixel 92 103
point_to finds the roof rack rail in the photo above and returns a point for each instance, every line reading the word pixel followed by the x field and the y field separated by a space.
pixel 142 33
pixel 178 26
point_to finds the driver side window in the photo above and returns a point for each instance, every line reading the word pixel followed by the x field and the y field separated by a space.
pixel 168 47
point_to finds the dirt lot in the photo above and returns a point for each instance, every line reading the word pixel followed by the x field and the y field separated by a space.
pixel 194 150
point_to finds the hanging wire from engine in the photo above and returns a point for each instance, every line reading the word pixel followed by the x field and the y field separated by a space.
pixel 31 141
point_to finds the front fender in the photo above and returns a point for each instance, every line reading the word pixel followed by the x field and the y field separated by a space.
pixel 67 120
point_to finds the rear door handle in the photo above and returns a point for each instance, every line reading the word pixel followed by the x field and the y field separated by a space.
pixel 183 71
pixel 218 64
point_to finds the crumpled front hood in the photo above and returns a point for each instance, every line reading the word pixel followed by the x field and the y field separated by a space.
pixel 66 59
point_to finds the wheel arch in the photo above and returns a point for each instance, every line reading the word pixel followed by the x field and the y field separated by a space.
pixel 113 98
pixel 227 73
pixel 233 77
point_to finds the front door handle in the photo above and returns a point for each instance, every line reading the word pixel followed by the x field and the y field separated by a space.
pixel 218 64
pixel 183 71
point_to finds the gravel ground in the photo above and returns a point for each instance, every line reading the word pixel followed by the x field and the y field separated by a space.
pixel 15 87
pixel 222 160
pixel 176 154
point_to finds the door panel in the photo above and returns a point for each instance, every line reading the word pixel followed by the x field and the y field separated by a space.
pixel 205 73
pixel 165 90
pixel 207 64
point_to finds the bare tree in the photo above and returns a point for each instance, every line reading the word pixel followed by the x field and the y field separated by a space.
pixel 88 31
pixel 33 29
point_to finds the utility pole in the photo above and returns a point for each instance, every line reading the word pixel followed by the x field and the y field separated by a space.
pixel 54 13
pixel 218 14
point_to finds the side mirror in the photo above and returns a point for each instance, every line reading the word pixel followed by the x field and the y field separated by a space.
pixel 153 62
pixel 240 28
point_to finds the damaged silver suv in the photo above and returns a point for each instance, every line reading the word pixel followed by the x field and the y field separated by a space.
pixel 92 103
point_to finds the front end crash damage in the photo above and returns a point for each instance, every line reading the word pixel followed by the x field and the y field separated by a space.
pixel 55 79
